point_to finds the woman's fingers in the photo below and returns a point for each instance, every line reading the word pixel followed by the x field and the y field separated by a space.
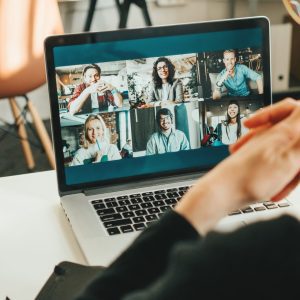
pixel 264 119
pixel 248 136
pixel 272 114
pixel 287 189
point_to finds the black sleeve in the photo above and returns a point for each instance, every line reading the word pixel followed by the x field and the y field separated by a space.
pixel 144 261
pixel 258 261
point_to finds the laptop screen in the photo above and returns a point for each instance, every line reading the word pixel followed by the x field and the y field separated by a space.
pixel 134 104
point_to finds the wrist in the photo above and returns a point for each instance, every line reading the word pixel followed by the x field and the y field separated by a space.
pixel 212 198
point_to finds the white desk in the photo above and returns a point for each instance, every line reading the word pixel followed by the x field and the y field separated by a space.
pixel 34 234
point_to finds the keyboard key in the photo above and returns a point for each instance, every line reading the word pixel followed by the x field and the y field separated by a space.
pixel 259 208
pixel 113 231
pixel 247 210
pixel 128 214
pixel 110 217
pixel 148 198
pixel 171 201
pixel 106 211
pixel 160 197
pixel 183 188
pixel 124 202
pixel 153 210
pixel 159 192
pixel 235 212
pixel 147 194
pixel 121 209
pixel 134 207
pixel 135 196
pixel 112 204
pixel 139 226
pixel 99 206
pixel 138 219
pixel 97 201
pixel 151 217
pixel 172 190
pixel 272 206
pixel 117 223
pixel 109 199
pixel 164 208
pixel 126 228
pixel 266 203
pixel 122 197
pixel 285 204
pixel 146 205
pixel 158 203
pixel 136 200
pixel 141 212
pixel 172 195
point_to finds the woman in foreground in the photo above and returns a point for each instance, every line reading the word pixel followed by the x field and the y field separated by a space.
pixel 180 257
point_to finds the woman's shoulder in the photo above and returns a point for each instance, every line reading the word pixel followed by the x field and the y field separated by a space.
pixel 81 151
pixel 112 147
pixel 176 81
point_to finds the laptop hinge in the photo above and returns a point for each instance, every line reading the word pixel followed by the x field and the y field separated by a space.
pixel 142 184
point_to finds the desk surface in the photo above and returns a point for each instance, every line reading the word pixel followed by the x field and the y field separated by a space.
pixel 34 234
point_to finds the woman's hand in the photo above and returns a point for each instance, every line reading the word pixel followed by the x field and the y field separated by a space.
pixel 98 156
pixel 266 163
pixel 263 120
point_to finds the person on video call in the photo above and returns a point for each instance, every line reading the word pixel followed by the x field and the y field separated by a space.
pixel 126 151
pixel 189 260
pixel 231 129
pixel 234 77
pixel 165 89
pixel 96 147
pixel 167 139
pixel 93 94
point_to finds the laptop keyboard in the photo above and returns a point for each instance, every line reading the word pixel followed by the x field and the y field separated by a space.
pixel 134 212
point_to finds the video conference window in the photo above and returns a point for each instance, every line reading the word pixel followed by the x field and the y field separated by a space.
pixel 148 106
pixel 92 88
pixel 231 73
pixel 223 120
pixel 161 81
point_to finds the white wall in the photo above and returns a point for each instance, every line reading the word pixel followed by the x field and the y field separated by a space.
pixel 106 18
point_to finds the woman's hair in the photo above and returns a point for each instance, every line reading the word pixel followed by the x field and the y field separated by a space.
pixel 90 118
pixel 238 119
pixel 156 79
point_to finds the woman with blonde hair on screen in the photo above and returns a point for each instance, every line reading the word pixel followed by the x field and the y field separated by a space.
pixel 96 147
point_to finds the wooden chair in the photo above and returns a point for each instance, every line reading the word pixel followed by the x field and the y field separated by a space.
pixel 23 28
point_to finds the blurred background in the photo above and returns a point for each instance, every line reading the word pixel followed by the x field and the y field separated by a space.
pixel 102 15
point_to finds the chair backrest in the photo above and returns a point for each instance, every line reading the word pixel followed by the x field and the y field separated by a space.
pixel 23 27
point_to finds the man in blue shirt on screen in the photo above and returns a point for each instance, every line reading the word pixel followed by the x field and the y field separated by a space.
pixel 167 139
pixel 234 78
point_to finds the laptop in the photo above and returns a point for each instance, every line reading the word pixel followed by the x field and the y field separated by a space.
pixel 135 122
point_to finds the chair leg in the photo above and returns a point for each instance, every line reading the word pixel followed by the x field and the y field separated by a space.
pixel 124 10
pixel 19 121
pixel 42 133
